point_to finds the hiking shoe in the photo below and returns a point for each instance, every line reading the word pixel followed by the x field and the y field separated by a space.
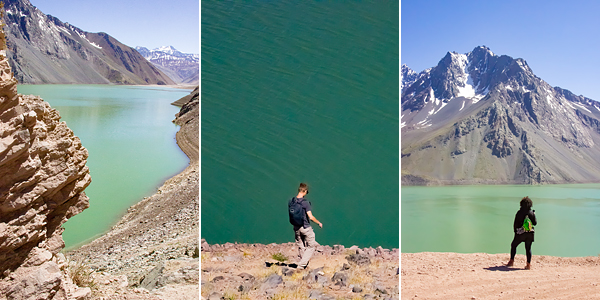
pixel 510 263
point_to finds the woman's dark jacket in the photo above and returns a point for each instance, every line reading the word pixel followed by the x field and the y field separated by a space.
pixel 520 217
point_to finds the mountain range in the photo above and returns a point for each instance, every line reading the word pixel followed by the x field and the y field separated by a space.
pixel 181 67
pixel 485 118
pixel 43 49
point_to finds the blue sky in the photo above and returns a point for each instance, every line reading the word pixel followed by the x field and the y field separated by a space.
pixel 560 40
pixel 148 23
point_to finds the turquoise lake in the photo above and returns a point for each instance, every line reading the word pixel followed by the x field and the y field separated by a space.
pixel 130 137
pixel 472 219
pixel 300 92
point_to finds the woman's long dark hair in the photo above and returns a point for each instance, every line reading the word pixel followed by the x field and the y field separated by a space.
pixel 526 203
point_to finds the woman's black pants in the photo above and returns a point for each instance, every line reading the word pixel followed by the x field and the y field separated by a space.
pixel 526 237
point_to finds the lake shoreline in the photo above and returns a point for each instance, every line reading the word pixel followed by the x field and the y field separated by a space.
pixel 153 249
pixel 412 180
pixel 448 275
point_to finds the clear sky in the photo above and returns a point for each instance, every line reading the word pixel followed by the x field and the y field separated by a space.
pixel 147 23
pixel 560 40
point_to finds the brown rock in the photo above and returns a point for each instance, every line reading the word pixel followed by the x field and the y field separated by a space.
pixel 42 178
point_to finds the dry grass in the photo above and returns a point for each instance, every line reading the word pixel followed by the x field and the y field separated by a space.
pixel 296 293
pixel 247 253
pixel 205 257
pixel 264 273
pixel 81 275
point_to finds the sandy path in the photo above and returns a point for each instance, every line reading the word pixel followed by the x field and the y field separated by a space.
pixel 483 276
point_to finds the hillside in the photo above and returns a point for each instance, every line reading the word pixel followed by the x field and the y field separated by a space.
pixel 43 49
pixel 483 118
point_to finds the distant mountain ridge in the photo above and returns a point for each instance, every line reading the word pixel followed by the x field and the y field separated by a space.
pixel 483 118
pixel 181 67
pixel 43 49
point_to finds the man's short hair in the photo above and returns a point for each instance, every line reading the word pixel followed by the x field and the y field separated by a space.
pixel 526 202
pixel 303 187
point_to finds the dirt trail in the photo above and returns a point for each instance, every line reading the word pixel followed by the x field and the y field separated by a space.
pixel 483 276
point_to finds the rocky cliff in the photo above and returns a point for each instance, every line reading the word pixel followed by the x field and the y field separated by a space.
pixel 43 49
pixel 43 174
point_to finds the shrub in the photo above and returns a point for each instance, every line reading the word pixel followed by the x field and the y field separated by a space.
pixel 279 257
pixel 81 275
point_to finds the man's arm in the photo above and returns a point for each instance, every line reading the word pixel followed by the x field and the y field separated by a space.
pixel 310 215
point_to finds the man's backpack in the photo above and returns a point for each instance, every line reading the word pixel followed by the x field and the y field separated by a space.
pixel 296 212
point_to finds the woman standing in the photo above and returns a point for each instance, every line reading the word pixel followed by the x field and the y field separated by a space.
pixel 523 228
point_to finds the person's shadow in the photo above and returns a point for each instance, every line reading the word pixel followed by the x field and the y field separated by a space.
pixel 501 268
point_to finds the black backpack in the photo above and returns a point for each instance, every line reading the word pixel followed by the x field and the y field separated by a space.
pixel 296 212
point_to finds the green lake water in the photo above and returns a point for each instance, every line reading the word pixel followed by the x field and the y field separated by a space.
pixel 131 143
pixel 471 219
pixel 300 91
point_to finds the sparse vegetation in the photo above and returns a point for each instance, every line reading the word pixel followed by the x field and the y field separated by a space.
pixel 296 293
pixel 247 253
pixel 262 274
pixel 81 275
pixel 279 257
pixel 204 256
pixel 229 296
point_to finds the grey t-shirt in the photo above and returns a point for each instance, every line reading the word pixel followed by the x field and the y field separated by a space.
pixel 306 205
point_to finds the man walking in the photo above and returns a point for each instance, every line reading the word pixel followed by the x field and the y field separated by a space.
pixel 300 215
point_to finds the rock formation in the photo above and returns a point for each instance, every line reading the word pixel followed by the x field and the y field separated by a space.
pixel 42 178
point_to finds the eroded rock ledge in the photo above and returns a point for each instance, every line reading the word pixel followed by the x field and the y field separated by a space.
pixel 43 174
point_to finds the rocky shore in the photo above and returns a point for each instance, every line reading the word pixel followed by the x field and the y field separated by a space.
pixel 153 251
pixel 257 271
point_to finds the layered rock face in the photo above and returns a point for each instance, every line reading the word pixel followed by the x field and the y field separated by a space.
pixel 42 178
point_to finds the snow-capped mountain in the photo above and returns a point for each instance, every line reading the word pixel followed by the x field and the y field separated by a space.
pixel 43 49
pixel 407 77
pixel 181 67
pixel 479 117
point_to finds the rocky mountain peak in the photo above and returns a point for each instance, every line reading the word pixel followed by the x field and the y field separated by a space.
pixel 500 112
pixel 407 76
pixel 181 67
